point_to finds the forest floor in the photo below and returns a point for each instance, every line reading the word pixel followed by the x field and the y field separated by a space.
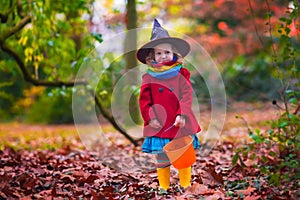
pixel 54 161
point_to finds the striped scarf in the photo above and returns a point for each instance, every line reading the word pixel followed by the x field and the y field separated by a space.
pixel 164 70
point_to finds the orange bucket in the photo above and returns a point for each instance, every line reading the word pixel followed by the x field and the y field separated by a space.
pixel 180 152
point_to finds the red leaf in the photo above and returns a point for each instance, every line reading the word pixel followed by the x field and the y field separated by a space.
pixel 248 191
pixel 237 173
pixel 43 194
pixel 91 178
pixel 25 198
pixel 79 173
pixel 67 178
pixel 252 197
pixel 200 189
pixel 5 177
pixel 2 195
pixel 210 177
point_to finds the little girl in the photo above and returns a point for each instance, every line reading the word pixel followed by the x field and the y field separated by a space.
pixel 166 100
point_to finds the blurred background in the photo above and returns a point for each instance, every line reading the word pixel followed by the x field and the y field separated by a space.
pixel 44 45
pixel 255 44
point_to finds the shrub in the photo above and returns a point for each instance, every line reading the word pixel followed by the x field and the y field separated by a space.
pixel 276 151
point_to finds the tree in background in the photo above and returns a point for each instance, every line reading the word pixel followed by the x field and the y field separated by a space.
pixel 40 41
pixel 48 42
pixel 237 34
pixel 130 57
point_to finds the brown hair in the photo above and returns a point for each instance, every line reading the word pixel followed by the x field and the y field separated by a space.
pixel 150 57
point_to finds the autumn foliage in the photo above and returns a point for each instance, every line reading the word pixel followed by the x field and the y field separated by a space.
pixel 257 46
pixel 70 173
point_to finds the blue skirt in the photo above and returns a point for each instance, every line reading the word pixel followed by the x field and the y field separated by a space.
pixel 154 145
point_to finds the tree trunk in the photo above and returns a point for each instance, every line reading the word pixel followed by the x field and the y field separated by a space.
pixel 23 66
pixel 130 47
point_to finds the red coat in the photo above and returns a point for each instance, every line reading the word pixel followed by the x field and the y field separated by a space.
pixel 164 100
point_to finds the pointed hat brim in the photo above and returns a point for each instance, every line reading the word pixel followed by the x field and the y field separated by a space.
pixel 182 46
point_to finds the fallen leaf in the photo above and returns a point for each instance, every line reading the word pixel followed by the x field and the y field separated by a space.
pixel 252 197
pixel 92 178
pixel 67 178
pixel 237 173
pixel 249 191
pixel 210 177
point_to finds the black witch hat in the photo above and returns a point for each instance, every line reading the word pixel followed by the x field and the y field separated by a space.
pixel 160 35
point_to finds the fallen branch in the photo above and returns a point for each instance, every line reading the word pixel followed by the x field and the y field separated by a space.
pixel 111 119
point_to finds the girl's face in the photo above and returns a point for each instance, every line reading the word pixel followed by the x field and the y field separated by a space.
pixel 163 53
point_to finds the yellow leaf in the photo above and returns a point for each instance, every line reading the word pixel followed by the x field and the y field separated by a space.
pixel 28 52
pixel 201 29
pixel 24 41
pixel 103 93
pixel 174 9
pixel 155 11
pixel 38 58
pixel 36 67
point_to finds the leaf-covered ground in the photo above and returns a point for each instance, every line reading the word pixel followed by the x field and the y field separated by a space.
pixel 75 174
pixel 38 163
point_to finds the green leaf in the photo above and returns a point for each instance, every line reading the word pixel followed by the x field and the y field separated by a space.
pixel 97 36
pixel 264 158
pixel 289 91
pixel 258 139
pixel 283 19
pixel 274 178
pixel 293 101
pixel 253 156
pixel 288 21
pixel 272 153
pixel 287 30
pixel 235 159
pixel 283 124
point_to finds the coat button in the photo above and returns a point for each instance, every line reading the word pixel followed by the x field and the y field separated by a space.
pixel 160 89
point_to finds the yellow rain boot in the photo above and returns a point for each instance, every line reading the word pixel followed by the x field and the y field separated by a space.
pixel 185 177
pixel 164 177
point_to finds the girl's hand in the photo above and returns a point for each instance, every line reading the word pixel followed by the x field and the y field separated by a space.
pixel 154 123
pixel 179 121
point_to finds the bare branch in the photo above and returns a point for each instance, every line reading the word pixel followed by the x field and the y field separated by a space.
pixel 29 78
pixel 270 29
pixel 112 120
pixel 20 9
pixel 255 27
